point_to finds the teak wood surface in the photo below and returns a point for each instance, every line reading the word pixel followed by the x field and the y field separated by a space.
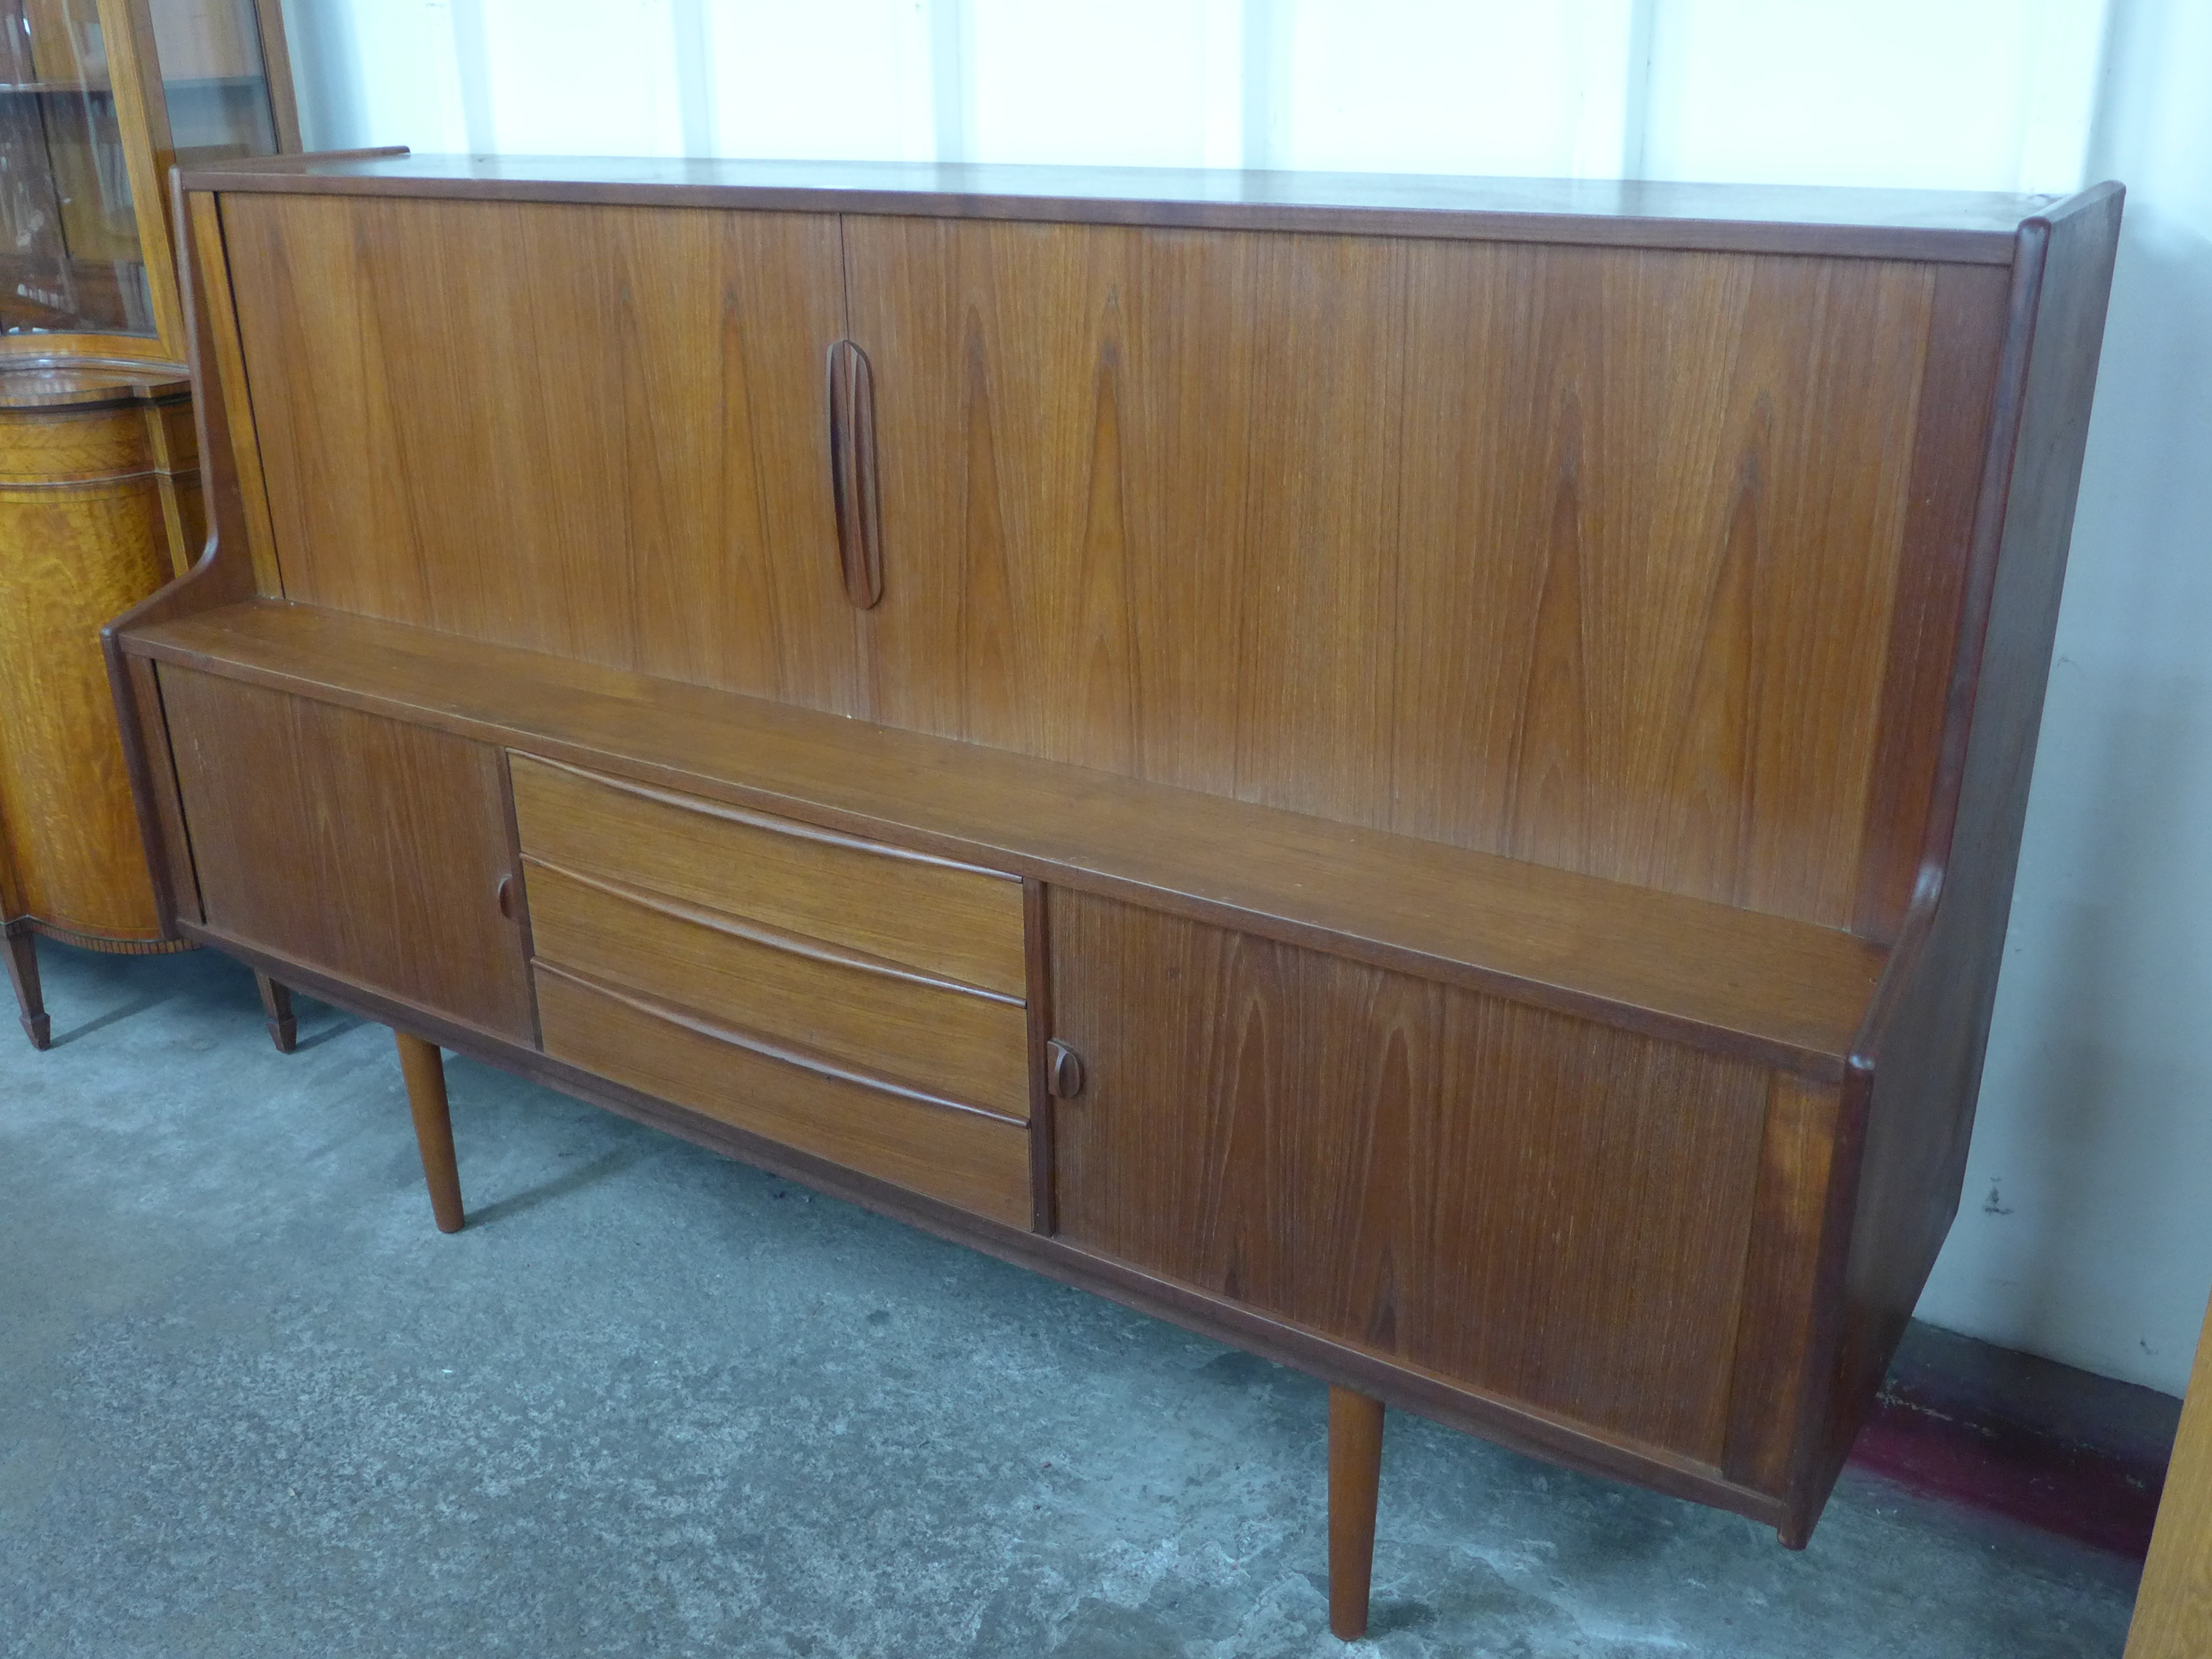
pixel 1625 597
pixel 1763 985
pixel 1509 707
pixel 972 1159
pixel 1409 1168
pixel 928 1033
pixel 368 848
pixel 930 915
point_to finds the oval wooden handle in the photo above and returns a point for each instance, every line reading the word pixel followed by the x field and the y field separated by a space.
pixel 852 474
pixel 505 894
pixel 1063 1071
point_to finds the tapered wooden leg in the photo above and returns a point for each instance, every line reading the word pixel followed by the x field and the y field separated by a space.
pixel 424 1067
pixel 276 1003
pixel 23 974
pixel 1355 1468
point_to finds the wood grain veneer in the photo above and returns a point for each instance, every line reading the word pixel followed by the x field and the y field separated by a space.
pixel 933 1034
pixel 1762 986
pixel 90 476
pixel 359 842
pixel 669 402
pixel 970 1159
pixel 1623 592
pixel 1490 721
pixel 1393 1162
pixel 932 914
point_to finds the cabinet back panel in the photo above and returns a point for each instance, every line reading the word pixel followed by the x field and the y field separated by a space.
pixel 1584 557
pixel 365 848
pixel 1547 1210
pixel 591 430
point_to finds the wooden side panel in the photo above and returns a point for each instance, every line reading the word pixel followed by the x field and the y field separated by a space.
pixel 1918 1069
pixel 1584 556
pixel 1535 1206
pixel 935 1036
pixel 370 849
pixel 596 431
pixel 980 1163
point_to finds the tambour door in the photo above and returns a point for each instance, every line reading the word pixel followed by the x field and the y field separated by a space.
pixel 597 431
pixel 1552 1213
pixel 368 848
pixel 1582 556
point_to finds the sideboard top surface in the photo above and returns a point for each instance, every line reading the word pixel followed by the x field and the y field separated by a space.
pixel 1778 991
pixel 1949 226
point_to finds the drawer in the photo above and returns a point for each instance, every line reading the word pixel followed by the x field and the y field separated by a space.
pixel 949 920
pixel 970 1159
pixel 938 1035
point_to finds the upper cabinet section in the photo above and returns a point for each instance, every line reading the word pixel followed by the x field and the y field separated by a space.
pixel 595 431
pixel 1585 556
pixel 97 98
pixel 1594 541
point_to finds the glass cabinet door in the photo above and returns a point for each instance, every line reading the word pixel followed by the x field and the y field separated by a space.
pixel 70 259
pixel 215 79
pixel 68 234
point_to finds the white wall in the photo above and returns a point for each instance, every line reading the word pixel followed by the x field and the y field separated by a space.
pixel 2087 1229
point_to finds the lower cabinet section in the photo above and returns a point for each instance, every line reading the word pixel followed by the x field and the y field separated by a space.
pixel 1554 1213
pixel 1617 1233
pixel 372 849
pixel 948 1152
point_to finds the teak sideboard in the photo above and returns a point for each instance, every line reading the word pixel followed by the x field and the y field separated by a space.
pixel 1423 777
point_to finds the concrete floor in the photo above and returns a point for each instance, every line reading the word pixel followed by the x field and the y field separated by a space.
pixel 655 1403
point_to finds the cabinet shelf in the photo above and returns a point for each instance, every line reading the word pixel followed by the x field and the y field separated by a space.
pixel 1783 992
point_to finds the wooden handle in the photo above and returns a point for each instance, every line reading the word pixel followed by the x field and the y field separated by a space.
pixel 505 894
pixel 852 473
pixel 1063 1070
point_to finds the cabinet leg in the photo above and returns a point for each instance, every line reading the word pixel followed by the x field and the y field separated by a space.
pixel 23 974
pixel 1355 1467
pixel 424 1067
pixel 277 1004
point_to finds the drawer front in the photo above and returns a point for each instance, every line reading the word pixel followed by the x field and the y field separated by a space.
pixel 979 1162
pixel 942 1038
pixel 948 920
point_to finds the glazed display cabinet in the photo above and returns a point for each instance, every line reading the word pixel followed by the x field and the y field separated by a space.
pixel 100 493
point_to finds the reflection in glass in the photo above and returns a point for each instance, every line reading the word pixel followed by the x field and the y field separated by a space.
pixel 213 74
pixel 70 258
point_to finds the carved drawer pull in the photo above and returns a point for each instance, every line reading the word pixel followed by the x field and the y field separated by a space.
pixel 852 473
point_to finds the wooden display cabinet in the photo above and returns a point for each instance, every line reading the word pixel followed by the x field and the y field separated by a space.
pixel 100 493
